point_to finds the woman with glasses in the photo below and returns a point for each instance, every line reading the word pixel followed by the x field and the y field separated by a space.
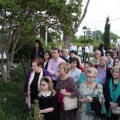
pixel 47 99
pixel 82 77
pixel 110 60
pixel 86 89
pixel 112 93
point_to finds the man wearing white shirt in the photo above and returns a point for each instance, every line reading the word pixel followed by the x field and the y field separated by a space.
pixel 71 47
pixel 87 53
pixel 80 51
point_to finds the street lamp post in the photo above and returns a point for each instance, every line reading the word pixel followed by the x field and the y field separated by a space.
pixel 84 30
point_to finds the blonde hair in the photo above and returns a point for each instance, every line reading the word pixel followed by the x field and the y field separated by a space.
pixel 51 88
pixel 114 68
pixel 66 66
pixel 93 71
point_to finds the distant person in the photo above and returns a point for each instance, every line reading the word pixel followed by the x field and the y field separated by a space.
pixel 38 51
pixel 83 53
pixel 80 51
pixel 101 49
pixel 87 51
pixel 71 48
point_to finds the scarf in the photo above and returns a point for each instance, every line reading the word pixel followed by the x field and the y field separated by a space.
pixel 31 79
pixel 96 60
pixel 114 94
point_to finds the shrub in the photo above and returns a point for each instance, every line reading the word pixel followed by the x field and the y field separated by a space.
pixel 12 99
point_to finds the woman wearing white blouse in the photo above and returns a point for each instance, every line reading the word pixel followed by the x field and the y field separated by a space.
pixel 74 72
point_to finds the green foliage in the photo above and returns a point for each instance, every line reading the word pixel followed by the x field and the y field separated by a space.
pixel 12 98
pixel 113 36
pixel 35 113
pixel 106 35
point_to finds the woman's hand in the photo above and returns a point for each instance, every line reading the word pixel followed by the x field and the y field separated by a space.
pixel 63 91
pixel 88 99
pixel 113 105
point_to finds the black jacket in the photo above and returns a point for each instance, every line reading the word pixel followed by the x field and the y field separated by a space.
pixel 40 53
pixel 108 99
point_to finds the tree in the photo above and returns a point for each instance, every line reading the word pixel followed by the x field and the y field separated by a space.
pixel 97 34
pixel 23 20
pixel 106 34
pixel 114 37
pixel 77 22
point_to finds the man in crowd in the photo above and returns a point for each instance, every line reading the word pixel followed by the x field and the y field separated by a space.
pixel 53 65
pixel 95 60
pixel 87 53
pixel 102 70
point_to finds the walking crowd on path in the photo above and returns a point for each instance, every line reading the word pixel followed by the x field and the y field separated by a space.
pixel 71 86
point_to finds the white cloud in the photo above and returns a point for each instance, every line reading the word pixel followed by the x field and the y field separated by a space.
pixel 98 10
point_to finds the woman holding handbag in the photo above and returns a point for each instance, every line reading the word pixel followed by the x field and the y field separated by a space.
pixel 112 94
pixel 67 93
pixel 87 91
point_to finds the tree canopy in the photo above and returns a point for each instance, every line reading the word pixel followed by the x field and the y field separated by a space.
pixel 24 19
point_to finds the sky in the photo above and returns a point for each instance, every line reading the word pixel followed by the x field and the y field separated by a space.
pixel 96 15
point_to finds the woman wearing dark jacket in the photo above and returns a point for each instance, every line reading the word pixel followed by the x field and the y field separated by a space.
pixel 37 51
pixel 47 56
pixel 112 93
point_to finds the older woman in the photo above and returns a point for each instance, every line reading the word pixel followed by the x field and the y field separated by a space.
pixel 82 77
pixel 112 93
pixel 33 79
pixel 85 90
pixel 66 87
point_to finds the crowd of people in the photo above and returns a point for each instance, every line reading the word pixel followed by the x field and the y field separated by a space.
pixel 68 89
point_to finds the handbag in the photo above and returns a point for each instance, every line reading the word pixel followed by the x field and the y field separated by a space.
pixel 116 111
pixel 89 109
pixel 70 103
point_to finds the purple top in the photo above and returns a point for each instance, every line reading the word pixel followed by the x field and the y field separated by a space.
pixel 101 76
pixel 45 73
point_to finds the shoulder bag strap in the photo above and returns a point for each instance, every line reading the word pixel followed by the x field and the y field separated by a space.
pixel 94 89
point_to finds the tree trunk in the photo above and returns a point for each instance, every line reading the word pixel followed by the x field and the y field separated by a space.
pixel 76 26
pixel 66 40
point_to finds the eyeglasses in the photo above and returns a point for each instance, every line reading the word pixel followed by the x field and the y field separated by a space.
pixel 42 85
pixel 89 77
